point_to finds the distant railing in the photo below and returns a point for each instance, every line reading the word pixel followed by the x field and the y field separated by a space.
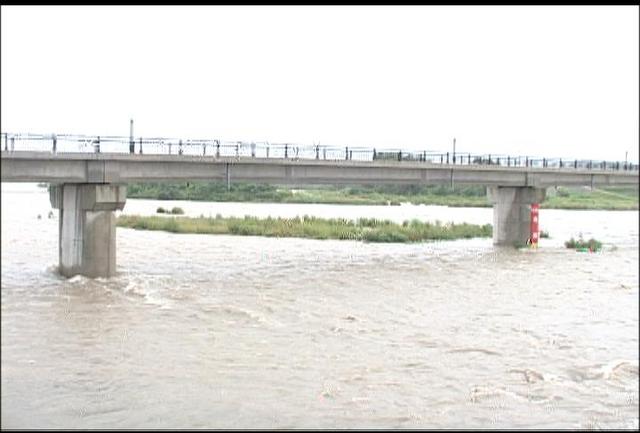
pixel 66 143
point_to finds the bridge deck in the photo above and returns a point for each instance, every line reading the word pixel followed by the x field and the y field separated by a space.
pixel 29 166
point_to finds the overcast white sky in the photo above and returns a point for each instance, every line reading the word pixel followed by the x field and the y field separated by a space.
pixel 547 81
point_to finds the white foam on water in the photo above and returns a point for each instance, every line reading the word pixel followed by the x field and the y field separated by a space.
pixel 617 366
pixel 78 279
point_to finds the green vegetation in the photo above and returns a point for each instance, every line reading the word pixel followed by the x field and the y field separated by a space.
pixel 207 191
pixel 364 229
pixel 544 234
pixel 612 198
pixel 174 211
pixel 582 245
pixel 368 195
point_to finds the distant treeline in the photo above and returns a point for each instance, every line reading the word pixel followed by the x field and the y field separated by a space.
pixel 248 192
pixel 610 198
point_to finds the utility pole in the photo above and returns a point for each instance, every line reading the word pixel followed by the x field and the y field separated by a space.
pixel 454 150
pixel 131 144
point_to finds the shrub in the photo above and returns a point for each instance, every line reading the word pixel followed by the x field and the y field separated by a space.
pixel 161 210
pixel 177 211
pixel 580 244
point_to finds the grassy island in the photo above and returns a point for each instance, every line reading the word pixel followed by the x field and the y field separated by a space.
pixel 364 229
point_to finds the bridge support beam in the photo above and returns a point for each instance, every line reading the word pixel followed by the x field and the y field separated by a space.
pixel 511 212
pixel 87 227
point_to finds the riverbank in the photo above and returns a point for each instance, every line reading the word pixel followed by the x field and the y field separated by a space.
pixel 620 198
pixel 614 198
pixel 363 229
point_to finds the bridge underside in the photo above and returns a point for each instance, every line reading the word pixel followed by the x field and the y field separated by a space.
pixel 91 186
pixel 87 228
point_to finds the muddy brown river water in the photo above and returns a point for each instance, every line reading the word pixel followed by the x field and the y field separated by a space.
pixel 201 331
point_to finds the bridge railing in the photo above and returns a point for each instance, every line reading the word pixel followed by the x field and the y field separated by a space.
pixel 65 143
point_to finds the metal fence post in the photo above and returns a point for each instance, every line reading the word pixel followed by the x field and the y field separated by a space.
pixel 55 139
pixel 140 145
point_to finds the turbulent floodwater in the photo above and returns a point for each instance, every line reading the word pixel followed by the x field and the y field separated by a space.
pixel 201 331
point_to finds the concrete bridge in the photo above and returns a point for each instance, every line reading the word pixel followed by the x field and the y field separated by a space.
pixel 88 186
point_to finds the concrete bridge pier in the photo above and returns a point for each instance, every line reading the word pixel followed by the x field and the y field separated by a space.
pixel 87 227
pixel 511 212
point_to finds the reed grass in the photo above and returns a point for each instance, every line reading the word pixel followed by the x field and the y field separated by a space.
pixel 363 229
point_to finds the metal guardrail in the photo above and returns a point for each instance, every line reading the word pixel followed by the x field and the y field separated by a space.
pixel 65 143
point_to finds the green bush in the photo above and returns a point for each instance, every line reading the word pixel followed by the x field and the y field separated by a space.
pixel 161 210
pixel 177 211
pixel 580 244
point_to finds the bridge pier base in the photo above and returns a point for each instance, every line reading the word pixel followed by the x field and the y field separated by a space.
pixel 511 212
pixel 87 227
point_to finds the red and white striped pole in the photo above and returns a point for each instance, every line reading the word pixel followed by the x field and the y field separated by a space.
pixel 535 232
